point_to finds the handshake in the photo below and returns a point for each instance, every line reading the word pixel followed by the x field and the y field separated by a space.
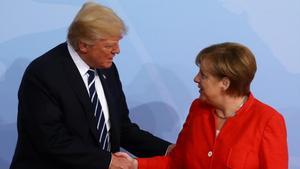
pixel 121 160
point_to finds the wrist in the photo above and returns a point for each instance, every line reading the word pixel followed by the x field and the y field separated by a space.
pixel 135 163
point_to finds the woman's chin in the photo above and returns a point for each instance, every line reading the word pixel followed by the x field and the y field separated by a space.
pixel 201 97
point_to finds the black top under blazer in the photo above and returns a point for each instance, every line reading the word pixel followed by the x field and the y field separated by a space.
pixel 56 128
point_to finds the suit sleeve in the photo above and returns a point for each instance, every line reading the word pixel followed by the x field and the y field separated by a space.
pixel 137 141
pixel 274 144
pixel 41 120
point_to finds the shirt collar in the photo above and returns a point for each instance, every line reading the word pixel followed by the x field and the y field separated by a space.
pixel 80 64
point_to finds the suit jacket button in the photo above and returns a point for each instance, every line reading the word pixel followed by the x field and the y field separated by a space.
pixel 209 154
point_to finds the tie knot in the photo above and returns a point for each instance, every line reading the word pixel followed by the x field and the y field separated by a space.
pixel 91 77
pixel 91 72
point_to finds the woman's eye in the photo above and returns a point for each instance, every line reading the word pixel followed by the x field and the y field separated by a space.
pixel 203 76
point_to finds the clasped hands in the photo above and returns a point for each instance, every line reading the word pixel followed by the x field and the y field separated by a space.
pixel 121 160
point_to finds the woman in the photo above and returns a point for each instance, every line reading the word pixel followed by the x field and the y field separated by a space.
pixel 227 127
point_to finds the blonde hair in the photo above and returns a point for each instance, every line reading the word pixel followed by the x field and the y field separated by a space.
pixel 93 22
pixel 231 60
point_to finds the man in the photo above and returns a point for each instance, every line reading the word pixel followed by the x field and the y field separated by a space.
pixel 72 111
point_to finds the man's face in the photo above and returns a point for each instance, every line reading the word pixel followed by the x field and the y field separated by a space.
pixel 101 53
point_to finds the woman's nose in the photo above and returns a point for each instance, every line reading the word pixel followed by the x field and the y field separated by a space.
pixel 197 78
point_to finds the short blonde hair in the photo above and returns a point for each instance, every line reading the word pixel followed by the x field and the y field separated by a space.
pixel 93 22
pixel 231 60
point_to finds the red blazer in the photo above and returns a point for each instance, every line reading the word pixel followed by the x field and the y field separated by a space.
pixel 253 139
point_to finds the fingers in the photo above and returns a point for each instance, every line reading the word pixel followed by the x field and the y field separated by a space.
pixel 122 160
pixel 170 148
pixel 122 154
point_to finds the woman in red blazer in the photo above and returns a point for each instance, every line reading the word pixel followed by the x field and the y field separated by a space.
pixel 227 127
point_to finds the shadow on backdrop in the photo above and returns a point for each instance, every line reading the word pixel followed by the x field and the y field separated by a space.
pixel 158 101
pixel 8 133
pixel 4 164
pixel 157 117
pixel 9 88
pixel 8 96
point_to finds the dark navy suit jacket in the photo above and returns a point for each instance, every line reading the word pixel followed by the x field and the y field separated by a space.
pixel 56 128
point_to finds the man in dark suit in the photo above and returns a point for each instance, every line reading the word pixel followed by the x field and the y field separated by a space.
pixel 72 111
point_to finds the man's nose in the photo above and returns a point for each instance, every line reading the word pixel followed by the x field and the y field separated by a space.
pixel 116 50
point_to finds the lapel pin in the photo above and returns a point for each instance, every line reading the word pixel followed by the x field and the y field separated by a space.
pixel 104 76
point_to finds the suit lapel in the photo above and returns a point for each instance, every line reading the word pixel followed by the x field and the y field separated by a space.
pixel 75 80
pixel 104 76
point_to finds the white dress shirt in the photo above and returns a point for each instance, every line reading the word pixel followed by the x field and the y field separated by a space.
pixel 83 68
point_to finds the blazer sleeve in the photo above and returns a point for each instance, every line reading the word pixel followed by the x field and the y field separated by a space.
pixel 175 159
pixel 274 154
pixel 41 121
pixel 137 141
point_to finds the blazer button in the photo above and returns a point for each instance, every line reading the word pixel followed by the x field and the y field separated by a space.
pixel 209 154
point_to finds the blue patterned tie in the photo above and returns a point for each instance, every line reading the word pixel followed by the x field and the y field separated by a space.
pixel 103 135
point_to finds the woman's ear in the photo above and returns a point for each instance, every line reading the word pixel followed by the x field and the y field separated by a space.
pixel 225 82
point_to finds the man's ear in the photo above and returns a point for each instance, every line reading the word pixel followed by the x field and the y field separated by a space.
pixel 82 47
pixel 225 82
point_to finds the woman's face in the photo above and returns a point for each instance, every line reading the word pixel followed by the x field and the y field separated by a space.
pixel 210 86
